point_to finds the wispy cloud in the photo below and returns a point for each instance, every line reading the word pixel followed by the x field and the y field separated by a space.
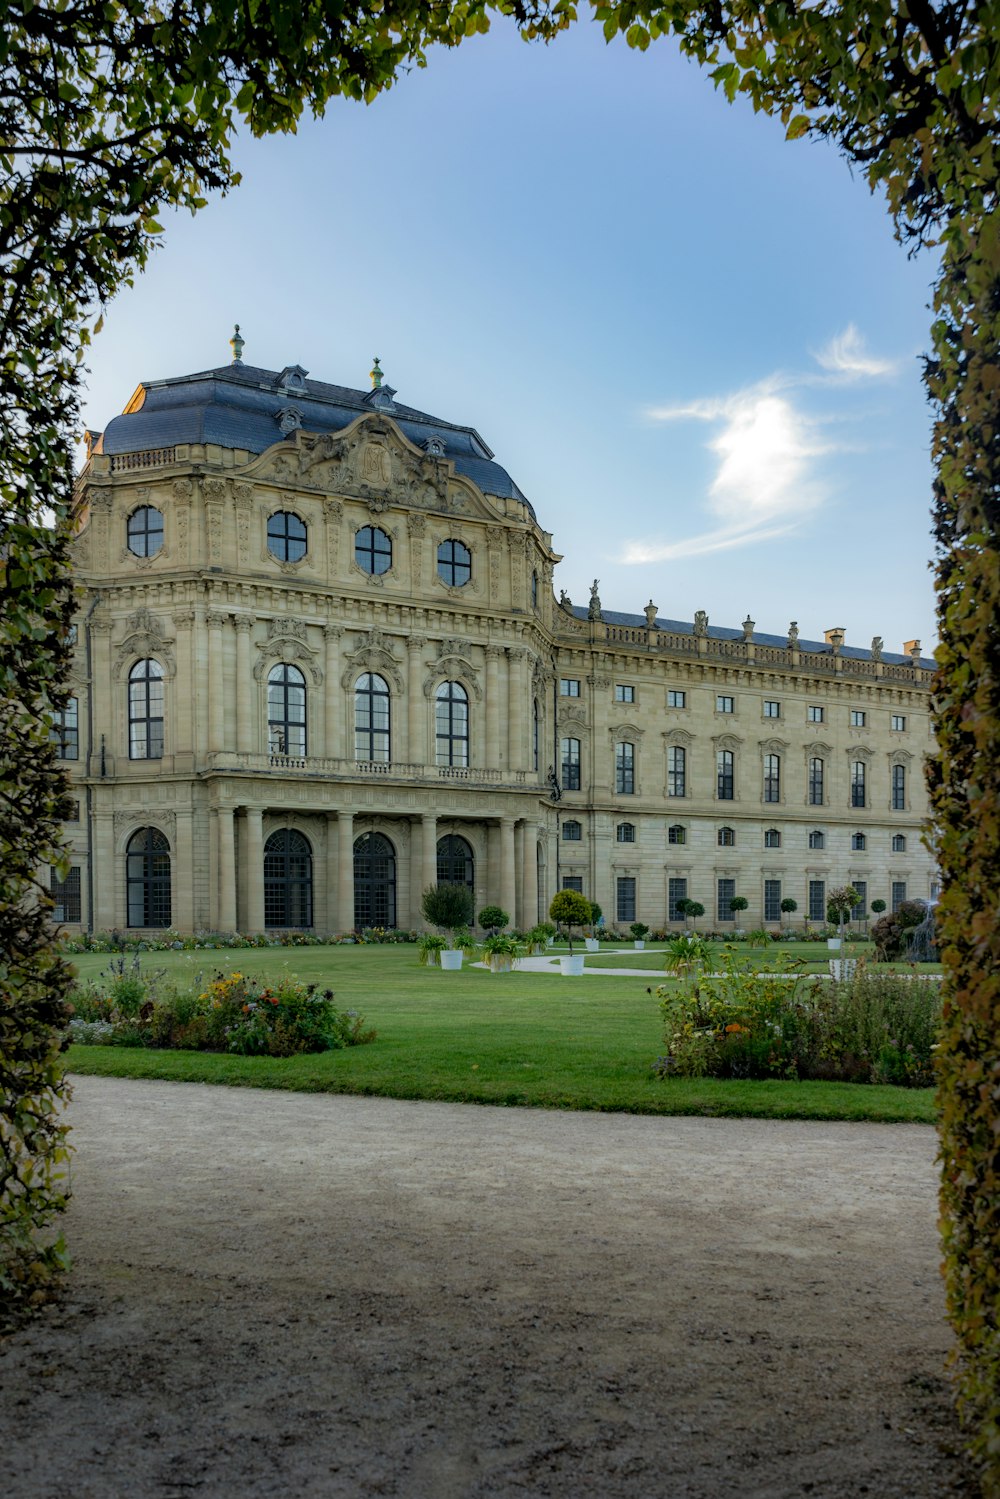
pixel 763 478
pixel 846 355
pixel 766 477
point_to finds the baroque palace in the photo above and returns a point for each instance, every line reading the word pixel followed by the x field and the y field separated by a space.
pixel 320 666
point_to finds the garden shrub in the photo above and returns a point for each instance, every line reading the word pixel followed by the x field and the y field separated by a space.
pixel 873 1028
pixel 234 1013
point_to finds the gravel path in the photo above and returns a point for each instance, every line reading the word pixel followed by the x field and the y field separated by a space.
pixel 311 1295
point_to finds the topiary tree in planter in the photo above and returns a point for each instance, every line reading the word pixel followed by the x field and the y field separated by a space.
pixel 595 916
pixel 694 910
pixel 839 903
pixel 448 907
pixel 738 903
pixel 788 905
pixel 878 906
pixel 493 919
pixel 569 909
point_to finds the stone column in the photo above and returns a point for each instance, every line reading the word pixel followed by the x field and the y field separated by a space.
pixel 225 895
pixel 428 852
pixel 515 714
pixel 508 884
pixel 416 703
pixel 345 872
pixel 333 717
pixel 529 876
pixel 216 683
pixel 255 869
pixel 182 872
pixel 492 757
pixel 246 687
pixel 517 913
pixel 108 874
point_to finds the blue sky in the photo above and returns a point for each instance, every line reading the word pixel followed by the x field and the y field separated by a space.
pixel 694 346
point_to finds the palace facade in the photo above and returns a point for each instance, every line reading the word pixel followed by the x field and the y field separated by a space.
pixel 320 666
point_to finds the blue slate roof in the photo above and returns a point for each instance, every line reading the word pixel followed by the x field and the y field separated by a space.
pixel 237 406
pixel 723 632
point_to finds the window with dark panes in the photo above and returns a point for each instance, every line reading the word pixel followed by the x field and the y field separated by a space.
pixel 569 750
pixel 625 769
pixel 724 775
pixel 286 536
pixel 144 531
pixel 625 898
pixel 676 770
pixel 373 550
pixel 454 563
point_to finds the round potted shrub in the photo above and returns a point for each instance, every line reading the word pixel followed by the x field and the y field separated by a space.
pixel 736 905
pixel 839 903
pixel 493 919
pixel 639 930
pixel 450 908
pixel 570 909
pixel 595 920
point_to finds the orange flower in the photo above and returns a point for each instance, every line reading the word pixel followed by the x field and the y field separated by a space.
pixel 733 1027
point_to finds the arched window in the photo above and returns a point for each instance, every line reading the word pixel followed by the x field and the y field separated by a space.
pixel 371 718
pixel 772 838
pixel 65 731
pixel 625 769
pixel 145 711
pixel 816 769
pixel 569 750
pixel 144 531
pixel 374 881
pixel 817 840
pixel 455 862
pixel 676 770
pixel 147 878
pixel 451 724
pixel 858 794
pixel 288 891
pixel 899 788
pixel 534 588
pixel 286 710
pixel 373 550
pixel 286 536
pixel 677 834
pixel 898 843
pixel 772 778
pixel 859 843
pixel 454 563
pixel 572 831
pixel 625 832
pixel 535 735
pixel 727 838
pixel 724 775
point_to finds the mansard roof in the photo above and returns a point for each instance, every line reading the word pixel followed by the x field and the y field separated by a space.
pixel 239 406
pixel 723 632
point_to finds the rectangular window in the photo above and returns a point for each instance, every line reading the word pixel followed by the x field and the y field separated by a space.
pixel 772 900
pixel 724 775
pixel 898 893
pixel 814 713
pixel 817 839
pixel 569 687
pixel 625 898
pixel 897 721
pixel 860 911
pixel 677 834
pixel 676 699
pixel 858 783
pixel 859 843
pixel 624 693
pixel 573 882
pixel 771 708
pixel 899 788
pixel 724 704
pixel 772 778
pixel 625 769
pixel 676 770
pixel 772 838
pixel 625 832
pixel 570 753
pixel 816 769
pixel 857 718
pixel 572 832
pixel 65 732
pixel 66 896
pixel 677 890
pixel 726 837
pixel 725 893
pixel 817 900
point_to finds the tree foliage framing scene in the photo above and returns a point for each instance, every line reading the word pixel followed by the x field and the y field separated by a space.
pixel 114 112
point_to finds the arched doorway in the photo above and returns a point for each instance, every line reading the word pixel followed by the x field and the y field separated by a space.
pixel 374 881
pixel 456 864
pixel 147 878
pixel 288 893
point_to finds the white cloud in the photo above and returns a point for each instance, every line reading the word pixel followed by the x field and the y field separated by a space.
pixel 763 480
pixel 845 355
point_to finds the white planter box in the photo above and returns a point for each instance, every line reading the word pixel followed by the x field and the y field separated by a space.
pixel 451 959
pixel 571 965
pixel 833 943
pixel 501 963
pixel 592 944
pixel 639 943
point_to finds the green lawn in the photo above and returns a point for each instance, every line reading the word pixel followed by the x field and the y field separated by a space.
pixel 816 954
pixel 475 1037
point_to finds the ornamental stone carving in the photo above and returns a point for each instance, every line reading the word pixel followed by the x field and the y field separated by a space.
pixel 375 653
pixel 286 641
pixel 126 823
pixel 145 637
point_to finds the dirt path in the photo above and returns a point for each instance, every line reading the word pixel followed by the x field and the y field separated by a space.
pixel 300 1295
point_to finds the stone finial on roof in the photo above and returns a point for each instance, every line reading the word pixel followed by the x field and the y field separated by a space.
pixel 748 628
pixel 650 613
pixel 793 635
pixel 236 343
pixel 876 647
pixel 376 375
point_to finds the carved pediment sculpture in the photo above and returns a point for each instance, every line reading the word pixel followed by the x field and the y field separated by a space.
pixel 145 636
pixel 452 665
pixel 374 653
pixel 286 641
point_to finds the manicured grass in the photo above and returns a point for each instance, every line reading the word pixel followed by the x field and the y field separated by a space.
pixel 528 1039
pixel 816 955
